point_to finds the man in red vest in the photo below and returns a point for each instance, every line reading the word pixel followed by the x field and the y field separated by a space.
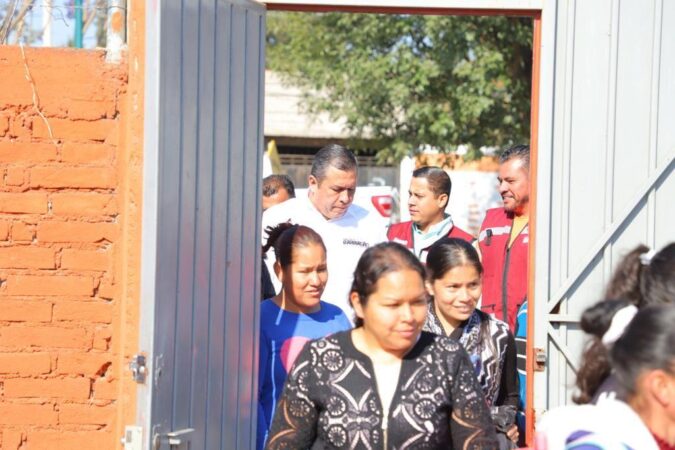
pixel 429 194
pixel 503 239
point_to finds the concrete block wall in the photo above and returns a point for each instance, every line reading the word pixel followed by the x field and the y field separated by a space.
pixel 66 248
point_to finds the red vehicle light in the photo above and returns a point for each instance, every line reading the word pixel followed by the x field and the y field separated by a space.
pixel 383 204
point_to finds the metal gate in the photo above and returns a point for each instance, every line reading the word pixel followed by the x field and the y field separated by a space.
pixel 605 173
pixel 204 93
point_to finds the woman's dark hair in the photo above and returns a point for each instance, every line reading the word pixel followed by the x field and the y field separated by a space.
pixel 377 262
pixel 448 253
pixel 285 237
pixel 595 365
pixel 648 343
pixel 637 280
pixel 645 282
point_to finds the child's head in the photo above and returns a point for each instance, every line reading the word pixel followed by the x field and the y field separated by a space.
pixel 300 265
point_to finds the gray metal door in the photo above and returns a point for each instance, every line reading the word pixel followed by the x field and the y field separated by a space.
pixel 606 167
pixel 205 257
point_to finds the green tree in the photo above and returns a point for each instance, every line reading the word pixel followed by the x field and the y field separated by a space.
pixel 409 81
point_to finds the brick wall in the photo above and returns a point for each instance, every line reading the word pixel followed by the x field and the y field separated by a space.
pixel 65 246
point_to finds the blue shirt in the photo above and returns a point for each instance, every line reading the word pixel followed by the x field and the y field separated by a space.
pixel 282 335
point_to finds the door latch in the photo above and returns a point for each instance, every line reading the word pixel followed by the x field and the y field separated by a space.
pixel 138 368
pixel 173 438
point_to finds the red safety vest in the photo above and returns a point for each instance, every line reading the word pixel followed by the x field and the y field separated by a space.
pixel 403 234
pixel 504 267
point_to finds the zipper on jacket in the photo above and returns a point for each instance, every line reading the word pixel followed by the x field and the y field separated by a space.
pixel 385 424
pixel 505 276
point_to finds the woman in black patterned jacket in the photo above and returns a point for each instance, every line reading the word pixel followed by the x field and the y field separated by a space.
pixel 385 384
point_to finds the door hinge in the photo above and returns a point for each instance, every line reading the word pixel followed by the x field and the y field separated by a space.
pixel 539 359
pixel 133 438
pixel 138 368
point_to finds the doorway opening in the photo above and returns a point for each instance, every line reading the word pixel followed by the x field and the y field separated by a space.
pixel 535 17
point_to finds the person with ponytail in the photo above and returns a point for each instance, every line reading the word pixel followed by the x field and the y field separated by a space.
pixel 386 384
pixel 294 316
pixel 454 275
pixel 642 356
pixel 644 277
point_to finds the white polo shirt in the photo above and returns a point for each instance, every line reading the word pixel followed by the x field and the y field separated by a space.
pixel 346 238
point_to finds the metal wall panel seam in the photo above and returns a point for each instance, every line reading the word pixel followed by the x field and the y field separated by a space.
pixel 610 150
pixel 169 222
pixel 190 175
pixel 242 301
pixel 228 149
pixel 217 270
pixel 258 219
pixel 203 243
pixel 213 245
pixel 654 119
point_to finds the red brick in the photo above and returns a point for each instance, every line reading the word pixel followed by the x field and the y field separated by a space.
pixel 19 128
pixel 48 387
pixel 23 203
pixel 4 125
pixel 52 285
pixel 25 152
pixel 86 414
pixel 76 232
pixel 23 232
pixel 26 257
pixel 84 204
pixel 85 259
pixel 25 311
pixel 105 389
pixel 72 177
pixel 25 363
pixel 83 311
pixel 94 130
pixel 27 414
pixel 87 364
pixel 44 337
pixel 4 230
pixel 69 440
pixel 88 110
pixel 106 289
pixel 87 153
pixel 12 439
pixel 15 176
pixel 102 338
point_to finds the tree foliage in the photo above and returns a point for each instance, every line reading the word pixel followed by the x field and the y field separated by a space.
pixel 407 82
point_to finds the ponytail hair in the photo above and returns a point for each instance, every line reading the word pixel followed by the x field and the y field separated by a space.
pixel 285 237
pixel 644 279
pixel 595 365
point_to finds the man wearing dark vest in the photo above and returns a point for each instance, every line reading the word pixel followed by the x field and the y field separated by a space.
pixel 429 194
pixel 503 239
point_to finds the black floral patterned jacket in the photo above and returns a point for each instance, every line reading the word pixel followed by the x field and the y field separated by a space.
pixel 330 400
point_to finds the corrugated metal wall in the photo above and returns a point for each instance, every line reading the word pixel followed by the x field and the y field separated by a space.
pixel 211 61
pixel 609 162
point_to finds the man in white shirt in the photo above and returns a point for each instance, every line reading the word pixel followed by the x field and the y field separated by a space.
pixel 346 229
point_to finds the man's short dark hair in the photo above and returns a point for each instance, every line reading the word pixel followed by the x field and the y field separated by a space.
pixel 272 184
pixel 520 151
pixel 334 155
pixel 438 179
